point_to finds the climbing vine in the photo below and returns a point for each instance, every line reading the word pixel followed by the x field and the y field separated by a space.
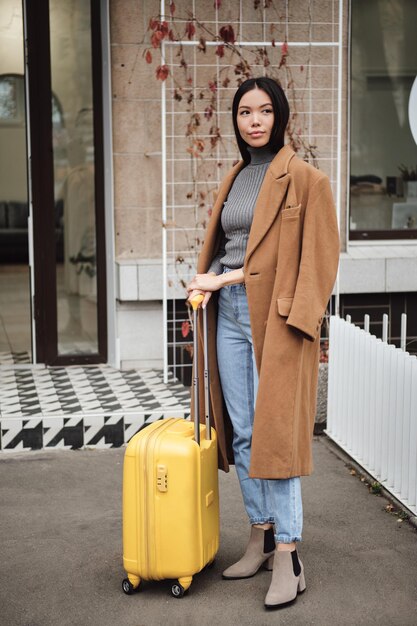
pixel 235 64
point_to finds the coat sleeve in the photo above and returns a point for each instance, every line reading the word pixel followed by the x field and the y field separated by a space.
pixel 319 261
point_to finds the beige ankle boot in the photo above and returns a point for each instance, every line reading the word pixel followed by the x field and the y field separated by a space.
pixel 260 551
pixel 287 580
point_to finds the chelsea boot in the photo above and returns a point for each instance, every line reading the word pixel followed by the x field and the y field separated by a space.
pixel 287 580
pixel 259 552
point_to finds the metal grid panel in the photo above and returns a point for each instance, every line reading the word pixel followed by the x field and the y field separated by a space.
pixel 195 159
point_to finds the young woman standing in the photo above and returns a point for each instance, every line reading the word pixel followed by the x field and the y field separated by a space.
pixel 267 269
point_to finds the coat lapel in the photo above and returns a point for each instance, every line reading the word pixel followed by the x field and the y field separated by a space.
pixel 270 198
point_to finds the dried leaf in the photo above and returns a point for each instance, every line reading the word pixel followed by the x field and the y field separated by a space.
pixel 220 50
pixel 190 30
pixel 227 34
pixel 185 329
pixel 148 56
pixel 172 7
pixel 162 72
pixel 202 44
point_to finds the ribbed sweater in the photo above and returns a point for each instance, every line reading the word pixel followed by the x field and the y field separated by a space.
pixel 237 213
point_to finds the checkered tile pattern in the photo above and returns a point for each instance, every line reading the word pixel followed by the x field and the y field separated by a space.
pixel 72 407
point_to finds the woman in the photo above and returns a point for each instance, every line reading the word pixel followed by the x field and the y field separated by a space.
pixel 270 257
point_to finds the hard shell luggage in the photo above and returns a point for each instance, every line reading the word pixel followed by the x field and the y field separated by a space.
pixel 171 497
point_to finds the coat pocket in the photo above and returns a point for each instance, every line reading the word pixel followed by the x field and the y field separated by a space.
pixel 291 212
pixel 284 306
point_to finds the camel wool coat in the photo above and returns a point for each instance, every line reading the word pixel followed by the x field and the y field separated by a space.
pixel 290 268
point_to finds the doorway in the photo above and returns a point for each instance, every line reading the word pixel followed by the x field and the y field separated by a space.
pixel 52 272
pixel 15 310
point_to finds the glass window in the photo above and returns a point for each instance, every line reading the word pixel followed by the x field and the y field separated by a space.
pixel 383 165
pixel 74 176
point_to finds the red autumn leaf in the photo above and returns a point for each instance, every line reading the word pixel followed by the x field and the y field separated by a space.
pixel 220 51
pixel 171 35
pixel 301 68
pixel 157 38
pixel 185 329
pixel 227 34
pixel 209 212
pixel 273 43
pixel 162 72
pixel 208 112
pixel 153 24
pixel 163 26
pixel 172 8
pixel 189 80
pixel 284 48
pixel 217 4
pixel 190 30
pixel 148 56
pixel 213 86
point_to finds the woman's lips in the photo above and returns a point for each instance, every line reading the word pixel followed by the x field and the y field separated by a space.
pixel 257 133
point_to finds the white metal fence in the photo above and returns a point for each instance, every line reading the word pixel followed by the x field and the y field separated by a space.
pixel 372 406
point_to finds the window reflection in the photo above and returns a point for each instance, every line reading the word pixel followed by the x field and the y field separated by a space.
pixel 383 150
pixel 74 177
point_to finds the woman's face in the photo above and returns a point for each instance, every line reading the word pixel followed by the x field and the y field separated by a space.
pixel 255 118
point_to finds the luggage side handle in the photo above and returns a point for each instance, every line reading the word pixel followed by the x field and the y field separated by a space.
pixel 195 302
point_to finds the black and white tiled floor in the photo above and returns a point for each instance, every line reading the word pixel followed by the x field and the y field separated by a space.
pixel 79 406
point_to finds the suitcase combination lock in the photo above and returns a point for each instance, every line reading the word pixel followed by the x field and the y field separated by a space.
pixel 162 478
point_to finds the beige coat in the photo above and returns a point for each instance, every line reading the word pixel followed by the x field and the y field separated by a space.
pixel 290 267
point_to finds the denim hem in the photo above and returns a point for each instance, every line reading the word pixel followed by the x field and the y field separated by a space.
pixel 286 539
pixel 259 520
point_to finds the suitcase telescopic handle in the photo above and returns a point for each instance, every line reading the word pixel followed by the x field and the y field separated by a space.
pixel 195 302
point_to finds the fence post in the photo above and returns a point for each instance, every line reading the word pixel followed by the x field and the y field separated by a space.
pixel 403 330
pixel 385 328
pixel 366 321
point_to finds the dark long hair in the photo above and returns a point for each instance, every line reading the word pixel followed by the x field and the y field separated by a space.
pixel 279 104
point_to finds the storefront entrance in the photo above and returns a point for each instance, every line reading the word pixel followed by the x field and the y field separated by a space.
pixel 52 235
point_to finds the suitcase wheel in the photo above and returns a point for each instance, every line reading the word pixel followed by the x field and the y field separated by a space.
pixel 128 587
pixel 177 590
pixel 180 587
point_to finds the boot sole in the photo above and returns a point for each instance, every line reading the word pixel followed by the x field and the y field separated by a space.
pixel 274 607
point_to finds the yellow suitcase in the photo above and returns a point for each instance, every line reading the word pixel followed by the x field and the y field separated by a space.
pixel 171 498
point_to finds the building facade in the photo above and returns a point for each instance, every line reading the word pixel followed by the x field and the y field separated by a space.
pixel 115 130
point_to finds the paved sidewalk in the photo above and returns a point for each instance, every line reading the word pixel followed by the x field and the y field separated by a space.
pixel 61 552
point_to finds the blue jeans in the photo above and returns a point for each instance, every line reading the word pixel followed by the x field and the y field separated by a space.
pixel 266 501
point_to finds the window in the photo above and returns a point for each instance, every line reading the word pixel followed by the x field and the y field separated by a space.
pixel 383 157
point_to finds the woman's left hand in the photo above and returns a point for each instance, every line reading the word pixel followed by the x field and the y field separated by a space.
pixel 205 282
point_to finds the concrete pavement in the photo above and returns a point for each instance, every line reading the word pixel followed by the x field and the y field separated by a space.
pixel 61 552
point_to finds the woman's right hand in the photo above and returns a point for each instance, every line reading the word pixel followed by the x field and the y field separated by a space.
pixel 196 292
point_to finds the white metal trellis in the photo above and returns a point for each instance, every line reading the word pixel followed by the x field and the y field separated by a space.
pixel 167 47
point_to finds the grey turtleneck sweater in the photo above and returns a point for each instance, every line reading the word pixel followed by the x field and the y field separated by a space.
pixel 237 213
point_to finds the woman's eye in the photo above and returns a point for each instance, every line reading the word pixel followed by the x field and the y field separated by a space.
pixel 268 111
